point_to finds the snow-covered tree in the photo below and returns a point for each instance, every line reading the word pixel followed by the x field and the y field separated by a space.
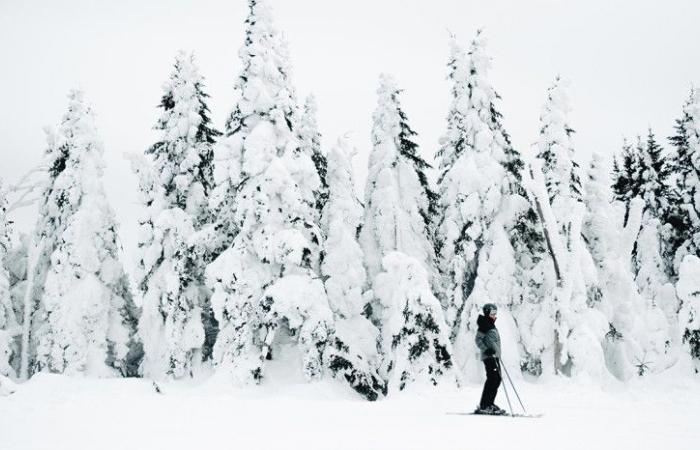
pixel 654 176
pixel 55 206
pixel 415 342
pixel 261 87
pixel 397 196
pixel 556 151
pixel 471 175
pixel 577 326
pixel 89 318
pixel 353 350
pixel 532 277
pixel 177 327
pixel 654 285
pixel 482 213
pixel 268 297
pixel 688 289
pixel 685 168
pixel 650 183
pixel 685 213
pixel 626 175
pixel 15 262
pixel 9 321
pixel 183 155
pixel 310 143
pixel 637 329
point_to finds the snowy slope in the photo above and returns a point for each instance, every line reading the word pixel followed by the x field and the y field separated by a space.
pixel 55 412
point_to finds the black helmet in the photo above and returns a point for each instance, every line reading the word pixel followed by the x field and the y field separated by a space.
pixel 488 308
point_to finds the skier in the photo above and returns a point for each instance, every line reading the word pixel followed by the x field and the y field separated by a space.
pixel 489 342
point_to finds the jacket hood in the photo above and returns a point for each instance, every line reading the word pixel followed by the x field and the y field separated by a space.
pixel 484 323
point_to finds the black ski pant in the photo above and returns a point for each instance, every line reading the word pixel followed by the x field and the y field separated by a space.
pixel 493 380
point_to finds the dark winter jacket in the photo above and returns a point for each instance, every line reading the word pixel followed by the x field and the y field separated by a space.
pixel 487 338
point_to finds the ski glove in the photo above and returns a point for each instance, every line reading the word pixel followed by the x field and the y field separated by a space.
pixel 489 352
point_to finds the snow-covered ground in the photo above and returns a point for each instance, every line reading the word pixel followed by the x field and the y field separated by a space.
pixel 56 412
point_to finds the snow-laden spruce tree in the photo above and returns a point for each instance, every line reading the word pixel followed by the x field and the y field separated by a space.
pixel 261 86
pixel 88 318
pixel 352 353
pixel 577 326
pixel 15 262
pixel 654 176
pixel 310 144
pixel 650 267
pixel 56 204
pixel 661 303
pixel 50 225
pixel 599 218
pixel 268 297
pixel 635 327
pixel 685 168
pixel 471 179
pixel 415 345
pixel 688 288
pixel 482 212
pixel 177 326
pixel 626 176
pixel 514 268
pixel 10 329
pixel 397 196
pixel 556 151
pixel 685 165
pixel 532 277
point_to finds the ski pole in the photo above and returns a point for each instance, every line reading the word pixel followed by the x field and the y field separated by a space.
pixel 505 389
pixel 514 390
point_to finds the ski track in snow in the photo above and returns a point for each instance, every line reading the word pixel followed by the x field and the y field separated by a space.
pixel 56 412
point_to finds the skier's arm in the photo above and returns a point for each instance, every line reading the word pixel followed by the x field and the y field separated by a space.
pixel 480 342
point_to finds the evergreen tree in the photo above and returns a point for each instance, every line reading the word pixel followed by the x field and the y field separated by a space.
pixel 636 328
pixel 183 157
pixel 15 262
pixel 310 143
pixel 556 151
pixel 653 176
pixel 397 197
pixel 685 166
pixel 178 328
pixel 626 174
pixel 89 318
pixel 569 307
pixel 531 279
pixel 599 212
pixel 266 285
pixel 415 341
pixel 651 184
pixel 57 204
pixel 353 351
pixel 9 322
pixel 661 304
pixel 482 212
pixel 470 181
pixel 684 211
pixel 688 288
pixel 409 150
pixel 262 87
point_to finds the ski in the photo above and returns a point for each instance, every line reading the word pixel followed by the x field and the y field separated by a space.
pixel 517 415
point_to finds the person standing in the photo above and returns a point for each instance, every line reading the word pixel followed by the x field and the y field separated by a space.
pixel 489 342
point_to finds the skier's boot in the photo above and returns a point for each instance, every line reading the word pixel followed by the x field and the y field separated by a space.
pixel 497 410
pixel 491 410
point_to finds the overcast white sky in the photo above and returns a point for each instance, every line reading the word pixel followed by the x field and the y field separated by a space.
pixel 630 63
